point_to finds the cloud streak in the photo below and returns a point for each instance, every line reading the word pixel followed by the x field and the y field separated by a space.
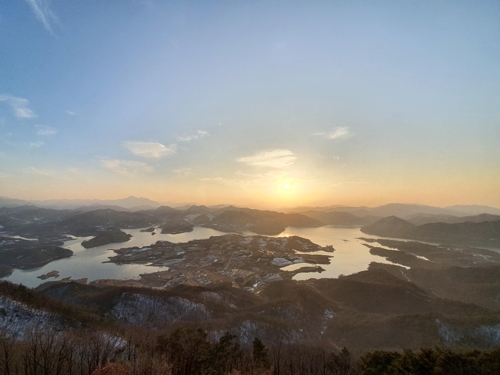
pixel 187 138
pixel 152 150
pixel 19 106
pixel 42 11
pixel 339 132
pixel 35 144
pixel 45 130
pixel 183 172
pixel 127 168
pixel 40 172
pixel 277 158
pixel 219 180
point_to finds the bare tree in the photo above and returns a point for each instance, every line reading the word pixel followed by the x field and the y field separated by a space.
pixel 8 354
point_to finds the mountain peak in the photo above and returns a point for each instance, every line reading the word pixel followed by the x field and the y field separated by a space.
pixel 390 226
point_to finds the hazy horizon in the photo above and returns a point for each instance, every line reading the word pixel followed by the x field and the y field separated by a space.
pixel 260 104
pixel 95 201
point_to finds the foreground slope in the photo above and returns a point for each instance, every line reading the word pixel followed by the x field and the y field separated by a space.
pixel 371 309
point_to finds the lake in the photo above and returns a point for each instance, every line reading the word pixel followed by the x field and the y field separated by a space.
pixel 350 255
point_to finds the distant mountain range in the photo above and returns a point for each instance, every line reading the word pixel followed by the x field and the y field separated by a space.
pixel 468 225
pixel 335 215
pixel 131 203
pixel 340 218
pixel 402 210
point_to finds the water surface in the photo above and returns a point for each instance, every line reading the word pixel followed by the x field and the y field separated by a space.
pixel 350 255
pixel 88 263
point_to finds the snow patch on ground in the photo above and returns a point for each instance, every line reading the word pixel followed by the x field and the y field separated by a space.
pixel 291 313
pixel 249 330
pixel 191 217
pixel 280 262
pixel 212 296
pixel 147 310
pixel 483 336
pixel 246 240
pixel 16 318
pixel 327 316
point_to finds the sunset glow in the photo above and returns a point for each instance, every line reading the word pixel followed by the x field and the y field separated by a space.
pixel 344 103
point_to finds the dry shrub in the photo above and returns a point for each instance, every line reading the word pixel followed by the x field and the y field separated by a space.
pixel 114 369
pixel 154 367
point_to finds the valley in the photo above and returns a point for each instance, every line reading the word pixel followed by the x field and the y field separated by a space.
pixel 312 282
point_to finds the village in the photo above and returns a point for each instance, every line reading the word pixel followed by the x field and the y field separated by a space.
pixel 247 262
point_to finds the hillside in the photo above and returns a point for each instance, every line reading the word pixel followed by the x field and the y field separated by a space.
pixel 51 223
pixel 420 219
pixel 403 210
pixel 339 217
pixel 372 309
pixel 480 286
pixel 25 254
pixel 29 214
pixel 271 333
pixel 32 221
pixel 389 226
pixel 260 222
pixel 486 233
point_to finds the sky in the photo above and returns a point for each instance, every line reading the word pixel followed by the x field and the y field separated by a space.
pixel 254 103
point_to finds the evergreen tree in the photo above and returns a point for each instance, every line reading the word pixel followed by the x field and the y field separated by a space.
pixel 260 355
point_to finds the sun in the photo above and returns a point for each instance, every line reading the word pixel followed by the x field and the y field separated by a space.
pixel 287 186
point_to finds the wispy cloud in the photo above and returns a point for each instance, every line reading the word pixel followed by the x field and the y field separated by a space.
pixel 71 113
pixel 149 149
pixel 183 172
pixel 40 172
pixel 191 137
pixel 45 130
pixel 271 158
pixel 339 132
pixel 19 106
pixel 35 144
pixel 43 13
pixel 127 168
pixel 219 180
pixel 270 174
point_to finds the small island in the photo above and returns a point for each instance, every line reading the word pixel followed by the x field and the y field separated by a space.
pixel 113 236
pixel 177 227
pixel 49 275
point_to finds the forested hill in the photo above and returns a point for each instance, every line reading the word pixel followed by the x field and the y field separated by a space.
pixel 486 233
pixel 32 221
pixel 39 335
